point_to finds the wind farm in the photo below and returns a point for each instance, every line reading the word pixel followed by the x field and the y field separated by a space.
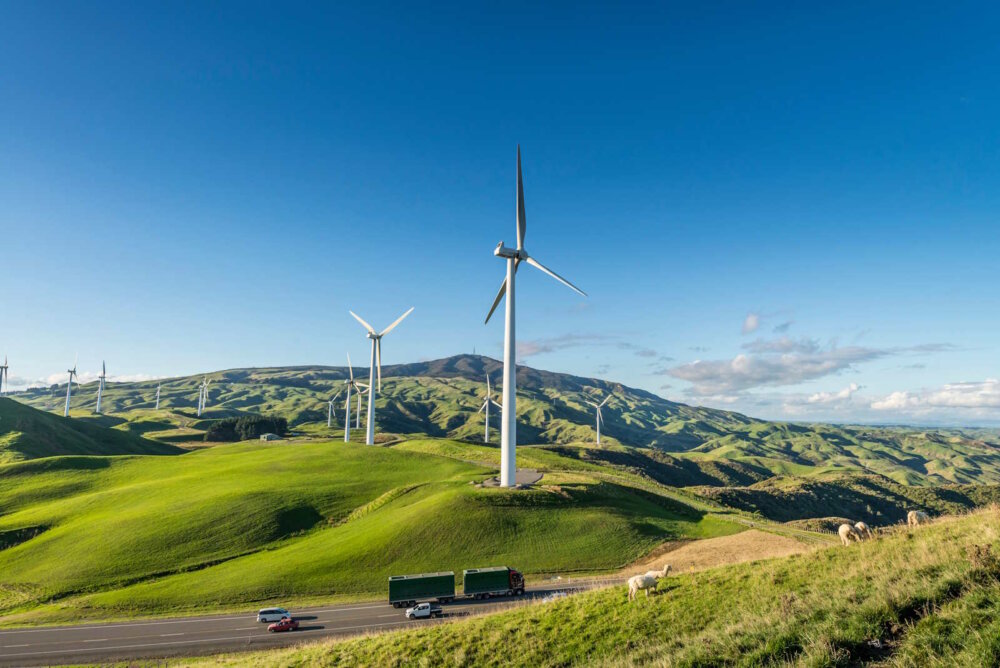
pixel 749 416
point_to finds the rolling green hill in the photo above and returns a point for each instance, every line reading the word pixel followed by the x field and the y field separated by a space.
pixel 85 537
pixel 926 597
pixel 441 399
pixel 27 433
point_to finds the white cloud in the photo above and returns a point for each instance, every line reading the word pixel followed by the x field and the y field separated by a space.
pixel 979 396
pixel 833 397
pixel 751 323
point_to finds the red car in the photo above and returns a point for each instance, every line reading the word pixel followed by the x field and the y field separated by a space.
pixel 286 624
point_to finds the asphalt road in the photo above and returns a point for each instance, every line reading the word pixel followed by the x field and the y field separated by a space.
pixel 194 636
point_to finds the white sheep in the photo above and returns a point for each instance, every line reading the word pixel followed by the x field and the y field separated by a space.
pixel 864 530
pixel 915 517
pixel 646 582
pixel 847 533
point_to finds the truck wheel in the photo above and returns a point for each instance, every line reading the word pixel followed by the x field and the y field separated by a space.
pixel 510 593
pixel 520 592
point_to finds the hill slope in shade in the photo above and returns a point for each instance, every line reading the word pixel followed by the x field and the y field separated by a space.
pixel 27 433
pixel 930 596
pixel 441 398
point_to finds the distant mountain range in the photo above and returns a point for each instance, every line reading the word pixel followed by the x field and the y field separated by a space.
pixel 442 398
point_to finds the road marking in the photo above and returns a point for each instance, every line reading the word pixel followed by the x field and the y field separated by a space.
pixel 380 616
pixel 97 640
pixel 9 646
pixel 162 635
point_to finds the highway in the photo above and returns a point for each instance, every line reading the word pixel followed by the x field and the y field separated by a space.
pixel 194 636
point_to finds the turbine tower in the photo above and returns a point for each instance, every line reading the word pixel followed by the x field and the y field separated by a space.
pixel 69 387
pixel 376 363
pixel 486 407
pixel 357 421
pixel 158 396
pixel 100 386
pixel 600 419
pixel 202 395
pixel 514 257
pixel 4 372
pixel 357 387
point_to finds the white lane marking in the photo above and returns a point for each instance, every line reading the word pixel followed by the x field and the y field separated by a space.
pixel 187 620
pixel 380 616
pixel 163 635
pixel 97 640
pixel 8 646
pixel 191 642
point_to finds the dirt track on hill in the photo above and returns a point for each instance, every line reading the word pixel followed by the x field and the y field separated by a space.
pixel 696 555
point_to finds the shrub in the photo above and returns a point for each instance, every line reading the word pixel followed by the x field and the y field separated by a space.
pixel 245 427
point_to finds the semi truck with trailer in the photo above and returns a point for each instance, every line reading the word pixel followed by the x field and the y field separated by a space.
pixel 407 590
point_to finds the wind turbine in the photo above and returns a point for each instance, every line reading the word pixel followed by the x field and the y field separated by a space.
pixel 600 419
pixel 514 257
pixel 4 372
pixel 202 395
pixel 329 410
pixel 69 386
pixel 357 421
pixel 100 386
pixel 376 363
pixel 158 385
pixel 357 387
pixel 486 407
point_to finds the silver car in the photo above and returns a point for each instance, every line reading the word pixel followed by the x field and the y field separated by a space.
pixel 272 614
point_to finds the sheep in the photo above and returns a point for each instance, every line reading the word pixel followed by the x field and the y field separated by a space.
pixel 847 533
pixel 864 530
pixel 646 582
pixel 916 517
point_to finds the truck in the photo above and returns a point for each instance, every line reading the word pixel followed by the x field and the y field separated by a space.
pixel 406 590
pixel 493 581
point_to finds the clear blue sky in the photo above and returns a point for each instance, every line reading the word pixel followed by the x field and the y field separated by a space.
pixel 788 210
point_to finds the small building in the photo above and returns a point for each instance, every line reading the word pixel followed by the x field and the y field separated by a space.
pixel 270 437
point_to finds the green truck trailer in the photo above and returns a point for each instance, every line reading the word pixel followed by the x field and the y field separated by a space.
pixel 406 590
pixel 492 581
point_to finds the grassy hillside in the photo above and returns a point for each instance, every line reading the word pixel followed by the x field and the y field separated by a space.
pixel 874 499
pixel 930 596
pixel 231 525
pixel 27 433
pixel 441 399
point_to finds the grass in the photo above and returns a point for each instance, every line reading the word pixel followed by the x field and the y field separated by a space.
pixel 239 524
pixel 913 598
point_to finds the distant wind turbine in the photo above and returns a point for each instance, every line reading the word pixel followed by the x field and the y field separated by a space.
pixel 329 410
pixel 203 395
pixel 599 419
pixel 376 363
pixel 352 384
pixel 4 372
pixel 357 421
pixel 514 256
pixel 69 386
pixel 486 407
pixel 100 386
pixel 158 385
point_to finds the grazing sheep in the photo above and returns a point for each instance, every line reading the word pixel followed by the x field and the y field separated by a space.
pixel 847 533
pixel 646 582
pixel 915 517
pixel 864 530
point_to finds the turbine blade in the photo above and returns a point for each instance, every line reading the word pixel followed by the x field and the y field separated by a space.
pixel 496 302
pixel 538 265
pixel 378 361
pixel 600 417
pixel 398 320
pixel 483 407
pixel 607 399
pixel 363 323
pixel 350 368
pixel 587 401
pixel 520 203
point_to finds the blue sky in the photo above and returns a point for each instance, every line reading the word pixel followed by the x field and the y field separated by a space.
pixel 786 210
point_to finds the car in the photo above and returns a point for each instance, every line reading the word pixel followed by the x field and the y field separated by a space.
pixel 286 624
pixel 272 615
pixel 423 610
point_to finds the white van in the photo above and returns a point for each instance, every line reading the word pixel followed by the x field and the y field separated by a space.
pixel 272 614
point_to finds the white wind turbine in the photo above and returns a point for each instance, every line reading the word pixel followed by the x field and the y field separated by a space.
pixel 358 388
pixel 514 256
pixel 376 363
pixel 158 385
pixel 362 390
pixel 69 386
pixel 100 386
pixel 203 396
pixel 4 372
pixel 600 419
pixel 329 410
pixel 486 407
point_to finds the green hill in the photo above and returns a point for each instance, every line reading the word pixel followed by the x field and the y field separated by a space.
pixel 926 597
pixel 441 398
pixel 235 524
pixel 27 433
